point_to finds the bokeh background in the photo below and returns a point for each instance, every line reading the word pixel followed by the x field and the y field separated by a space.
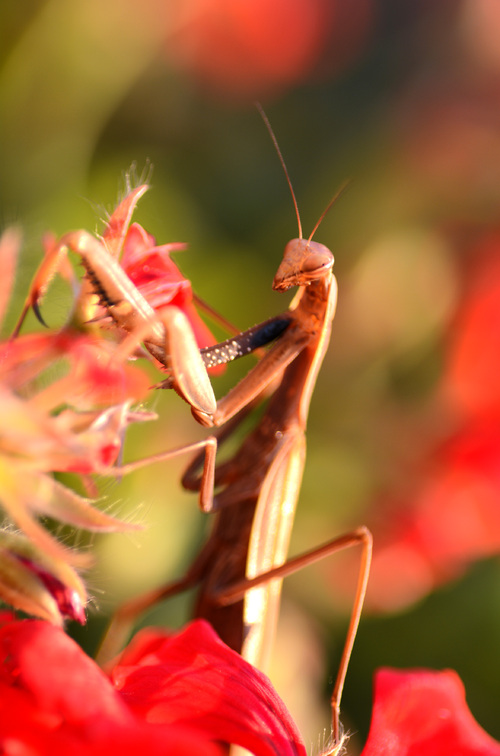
pixel 403 98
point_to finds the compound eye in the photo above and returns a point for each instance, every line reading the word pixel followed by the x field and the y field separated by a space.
pixel 316 262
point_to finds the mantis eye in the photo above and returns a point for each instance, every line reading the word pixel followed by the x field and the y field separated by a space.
pixel 317 262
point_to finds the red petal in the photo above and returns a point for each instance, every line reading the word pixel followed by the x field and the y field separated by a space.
pixel 55 701
pixel 115 232
pixel 424 712
pixel 141 256
pixel 473 357
pixel 136 245
pixel 59 677
pixel 26 730
pixel 193 677
pixel 159 279
pixel 102 382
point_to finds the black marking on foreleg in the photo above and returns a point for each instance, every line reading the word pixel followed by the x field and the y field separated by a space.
pixel 244 343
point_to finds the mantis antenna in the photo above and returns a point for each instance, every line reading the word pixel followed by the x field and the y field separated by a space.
pixel 283 165
pixel 276 145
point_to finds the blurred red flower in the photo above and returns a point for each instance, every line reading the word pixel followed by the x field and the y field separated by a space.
pixel 252 48
pixel 423 712
pixel 93 378
pixel 447 512
pixel 470 380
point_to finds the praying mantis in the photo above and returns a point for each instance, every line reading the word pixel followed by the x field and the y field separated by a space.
pixel 240 568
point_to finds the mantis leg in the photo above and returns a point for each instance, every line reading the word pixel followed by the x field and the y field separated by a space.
pixel 119 628
pixel 208 447
pixel 269 369
pixel 167 334
pixel 362 537
pixel 124 617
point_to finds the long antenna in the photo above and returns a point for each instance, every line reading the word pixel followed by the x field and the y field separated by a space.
pixel 276 145
pixel 333 200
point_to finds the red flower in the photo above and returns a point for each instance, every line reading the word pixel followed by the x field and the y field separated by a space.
pixel 149 267
pixel 68 600
pixel 451 519
pixel 194 677
pixel 252 48
pixel 159 280
pixel 187 692
pixel 447 513
pixel 168 695
pixel 422 712
pixel 473 355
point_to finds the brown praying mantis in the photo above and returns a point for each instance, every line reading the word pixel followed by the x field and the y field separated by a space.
pixel 240 568
pixel 239 571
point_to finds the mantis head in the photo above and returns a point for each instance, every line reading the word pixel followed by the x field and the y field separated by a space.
pixel 304 262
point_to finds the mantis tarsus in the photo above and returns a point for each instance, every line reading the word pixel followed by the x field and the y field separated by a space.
pixel 239 570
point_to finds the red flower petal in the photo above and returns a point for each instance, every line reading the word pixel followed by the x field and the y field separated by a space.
pixel 68 600
pixel 178 696
pixel 119 222
pixel 145 260
pixel 95 378
pixel 40 659
pixel 159 279
pixel 194 677
pixel 27 731
pixel 55 701
pixel 472 367
pixel 421 712
pixel 99 380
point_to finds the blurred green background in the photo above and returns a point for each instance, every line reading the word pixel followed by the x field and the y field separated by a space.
pixel 400 97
